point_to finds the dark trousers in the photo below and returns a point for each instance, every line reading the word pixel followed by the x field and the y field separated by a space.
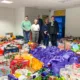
pixel 40 37
pixel 53 39
pixel 46 40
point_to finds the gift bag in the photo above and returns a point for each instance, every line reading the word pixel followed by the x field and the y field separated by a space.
pixel 4 70
pixel 11 77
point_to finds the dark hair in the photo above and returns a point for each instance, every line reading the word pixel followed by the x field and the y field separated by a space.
pixel 45 20
pixel 52 16
pixel 26 16
pixel 47 16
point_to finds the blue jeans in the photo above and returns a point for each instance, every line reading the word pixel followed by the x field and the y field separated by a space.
pixel 46 40
pixel 26 36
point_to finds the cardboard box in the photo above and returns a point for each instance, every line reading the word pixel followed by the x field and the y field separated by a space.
pixel 52 78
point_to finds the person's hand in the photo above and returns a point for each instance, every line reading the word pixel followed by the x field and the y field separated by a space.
pixel 57 33
pixel 26 30
pixel 45 32
pixel 48 34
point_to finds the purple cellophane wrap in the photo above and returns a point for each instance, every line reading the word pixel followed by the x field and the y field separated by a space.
pixel 55 57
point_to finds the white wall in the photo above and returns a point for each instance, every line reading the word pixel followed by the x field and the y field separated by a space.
pixel 7 22
pixel 19 17
pixel 73 21
pixel 20 13
pixel 34 12
pixel 51 14
pixel 10 19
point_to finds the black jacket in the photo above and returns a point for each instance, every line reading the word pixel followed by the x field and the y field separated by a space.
pixel 40 22
pixel 53 29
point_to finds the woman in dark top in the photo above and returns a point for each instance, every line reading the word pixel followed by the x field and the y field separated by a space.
pixel 46 32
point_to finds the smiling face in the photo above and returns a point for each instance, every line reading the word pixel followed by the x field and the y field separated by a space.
pixel 52 18
pixel 35 21
pixel 46 21
pixel 26 18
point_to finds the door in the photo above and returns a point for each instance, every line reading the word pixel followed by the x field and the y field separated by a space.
pixel 61 24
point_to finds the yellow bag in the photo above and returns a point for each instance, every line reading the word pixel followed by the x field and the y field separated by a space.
pixel 36 64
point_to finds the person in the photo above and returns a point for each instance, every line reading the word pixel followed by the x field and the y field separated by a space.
pixel 40 22
pixel 53 31
pixel 35 31
pixel 46 32
pixel 26 26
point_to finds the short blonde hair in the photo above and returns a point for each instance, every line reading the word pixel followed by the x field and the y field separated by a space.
pixel 35 20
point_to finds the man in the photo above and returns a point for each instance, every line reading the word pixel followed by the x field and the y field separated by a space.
pixel 26 26
pixel 53 31
pixel 40 22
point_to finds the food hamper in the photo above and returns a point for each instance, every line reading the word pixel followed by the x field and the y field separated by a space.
pixel 43 63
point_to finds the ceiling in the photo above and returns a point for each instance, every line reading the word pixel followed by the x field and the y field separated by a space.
pixel 45 4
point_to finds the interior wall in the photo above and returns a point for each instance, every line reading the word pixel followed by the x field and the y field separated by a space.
pixel 11 19
pixel 20 13
pixel 51 14
pixel 73 22
pixel 34 12
pixel 7 20
pixel 19 17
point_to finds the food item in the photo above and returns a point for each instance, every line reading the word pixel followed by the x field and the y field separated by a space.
pixel 71 72
pixel 22 77
pixel 1 52
pixel 27 56
pixel 19 64
pixel 4 71
pixel 32 45
pixel 17 74
pixel 54 58
pixel 20 72
pixel 18 56
pixel 36 64
pixel 11 77
pixel 52 78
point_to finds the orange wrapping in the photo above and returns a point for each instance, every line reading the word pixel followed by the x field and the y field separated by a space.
pixel 36 64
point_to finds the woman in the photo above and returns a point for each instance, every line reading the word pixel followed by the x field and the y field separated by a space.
pixel 35 31
pixel 46 32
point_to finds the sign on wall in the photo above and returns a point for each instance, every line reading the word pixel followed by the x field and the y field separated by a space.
pixel 59 13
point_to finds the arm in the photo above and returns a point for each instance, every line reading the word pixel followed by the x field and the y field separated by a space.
pixel 49 27
pixel 22 25
pixel 44 30
pixel 57 27
pixel 41 22
pixel 32 28
pixel 30 24
pixel 39 27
